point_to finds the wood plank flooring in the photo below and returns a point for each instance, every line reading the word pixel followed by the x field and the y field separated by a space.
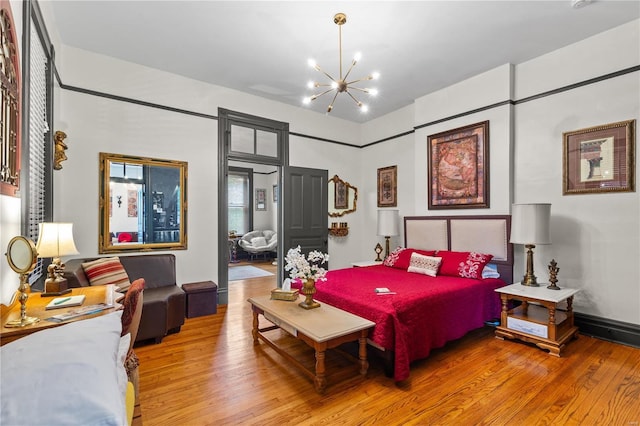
pixel 211 374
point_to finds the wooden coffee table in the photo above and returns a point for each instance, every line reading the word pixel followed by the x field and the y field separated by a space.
pixel 322 328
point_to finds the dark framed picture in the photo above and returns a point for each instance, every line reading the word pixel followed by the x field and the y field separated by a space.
pixel 340 197
pixel 261 199
pixel 459 168
pixel 599 159
pixel 275 193
pixel 387 186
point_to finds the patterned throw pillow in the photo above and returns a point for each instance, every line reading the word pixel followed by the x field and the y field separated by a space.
pixel 107 270
pixel 400 257
pixel 463 263
pixel 427 265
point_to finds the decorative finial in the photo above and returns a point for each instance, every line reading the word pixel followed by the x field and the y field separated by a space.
pixel 553 272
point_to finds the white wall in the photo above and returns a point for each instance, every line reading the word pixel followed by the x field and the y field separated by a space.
pixel 595 237
pixel 119 220
pixel 264 219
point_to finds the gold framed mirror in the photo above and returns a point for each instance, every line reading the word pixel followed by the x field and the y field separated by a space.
pixel 143 204
pixel 343 197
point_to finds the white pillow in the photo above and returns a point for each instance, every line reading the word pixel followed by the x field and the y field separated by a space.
pixel 490 271
pixel 421 264
pixel 66 375
pixel 268 234
pixel 259 241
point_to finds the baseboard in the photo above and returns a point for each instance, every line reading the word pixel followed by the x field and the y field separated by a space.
pixel 608 329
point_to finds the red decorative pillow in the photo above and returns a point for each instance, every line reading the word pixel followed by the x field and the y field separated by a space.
pixel 463 263
pixel 401 257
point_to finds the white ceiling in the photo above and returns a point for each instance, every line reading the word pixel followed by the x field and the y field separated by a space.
pixel 262 47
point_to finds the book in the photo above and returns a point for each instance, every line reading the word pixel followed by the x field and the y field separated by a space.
pixel 65 302
pixel 74 313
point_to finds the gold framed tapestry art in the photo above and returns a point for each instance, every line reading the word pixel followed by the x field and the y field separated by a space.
pixel 459 168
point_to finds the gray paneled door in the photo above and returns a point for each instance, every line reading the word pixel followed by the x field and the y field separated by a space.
pixel 304 210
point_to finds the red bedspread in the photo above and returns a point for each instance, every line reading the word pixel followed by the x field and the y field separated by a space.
pixel 424 313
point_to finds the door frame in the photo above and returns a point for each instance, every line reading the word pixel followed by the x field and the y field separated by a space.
pixel 225 119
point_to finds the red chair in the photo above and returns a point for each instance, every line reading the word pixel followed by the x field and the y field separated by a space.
pixel 124 237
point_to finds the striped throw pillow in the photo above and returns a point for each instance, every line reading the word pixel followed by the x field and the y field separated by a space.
pixel 107 270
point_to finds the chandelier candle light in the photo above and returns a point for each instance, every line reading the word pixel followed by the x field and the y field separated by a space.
pixel 342 84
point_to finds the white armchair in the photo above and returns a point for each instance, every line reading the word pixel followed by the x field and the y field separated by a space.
pixel 259 242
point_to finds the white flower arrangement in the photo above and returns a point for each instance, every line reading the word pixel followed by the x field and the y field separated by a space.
pixel 306 268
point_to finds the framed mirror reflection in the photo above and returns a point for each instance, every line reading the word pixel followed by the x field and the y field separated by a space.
pixel 143 204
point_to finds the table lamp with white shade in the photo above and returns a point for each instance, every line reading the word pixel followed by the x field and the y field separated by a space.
pixel 55 240
pixel 530 225
pixel 387 227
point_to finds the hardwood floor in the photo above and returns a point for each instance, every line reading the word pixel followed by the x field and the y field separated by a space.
pixel 211 373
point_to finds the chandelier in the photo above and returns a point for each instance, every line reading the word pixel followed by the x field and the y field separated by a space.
pixel 342 84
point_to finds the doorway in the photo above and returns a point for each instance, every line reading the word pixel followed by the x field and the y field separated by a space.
pixel 299 195
pixel 262 145
pixel 252 217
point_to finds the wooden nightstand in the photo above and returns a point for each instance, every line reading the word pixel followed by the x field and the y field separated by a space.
pixel 365 263
pixel 537 322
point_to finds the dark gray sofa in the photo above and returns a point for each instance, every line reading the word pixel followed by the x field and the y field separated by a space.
pixel 164 302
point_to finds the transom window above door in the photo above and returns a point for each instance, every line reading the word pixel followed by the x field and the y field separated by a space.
pixel 249 140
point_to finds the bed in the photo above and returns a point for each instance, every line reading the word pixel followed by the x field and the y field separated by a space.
pixel 425 312
pixel 68 375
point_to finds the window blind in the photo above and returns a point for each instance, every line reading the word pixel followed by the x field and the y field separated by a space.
pixel 38 129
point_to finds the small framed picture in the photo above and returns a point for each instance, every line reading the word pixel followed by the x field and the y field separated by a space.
pixel 275 193
pixel 261 199
pixel 340 197
pixel 387 186
pixel 599 159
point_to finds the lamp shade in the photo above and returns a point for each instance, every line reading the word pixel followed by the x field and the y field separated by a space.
pixel 388 223
pixel 530 224
pixel 55 240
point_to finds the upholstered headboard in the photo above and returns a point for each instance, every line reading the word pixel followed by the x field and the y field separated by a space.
pixel 483 234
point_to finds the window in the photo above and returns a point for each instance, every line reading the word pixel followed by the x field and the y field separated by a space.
pixel 254 141
pixel 240 209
